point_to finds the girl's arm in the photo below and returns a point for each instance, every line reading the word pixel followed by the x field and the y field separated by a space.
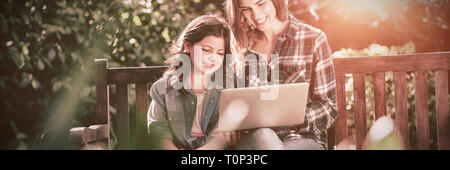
pixel 167 144
pixel 157 118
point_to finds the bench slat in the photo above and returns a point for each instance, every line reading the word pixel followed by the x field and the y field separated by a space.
pixel 102 91
pixel 442 110
pixel 396 63
pixel 131 75
pixel 401 110
pixel 360 109
pixel 380 94
pixel 331 138
pixel 141 109
pixel 102 94
pixel 123 136
pixel 422 116
pixel 341 123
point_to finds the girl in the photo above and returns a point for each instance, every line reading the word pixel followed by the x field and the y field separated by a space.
pixel 299 53
pixel 184 116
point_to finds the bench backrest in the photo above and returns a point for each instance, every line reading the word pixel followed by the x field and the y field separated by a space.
pixel 359 67
pixel 127 122
pixel 398 64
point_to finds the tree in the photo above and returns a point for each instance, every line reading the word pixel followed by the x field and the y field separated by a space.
pixel 48 49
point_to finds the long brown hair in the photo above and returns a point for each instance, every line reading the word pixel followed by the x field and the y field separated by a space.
pixel 240 28
pixel 195 31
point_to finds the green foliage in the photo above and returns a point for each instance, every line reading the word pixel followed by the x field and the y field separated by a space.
pixel 374 50
pixel 48 50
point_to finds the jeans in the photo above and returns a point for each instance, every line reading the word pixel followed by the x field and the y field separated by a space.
pixel 267 139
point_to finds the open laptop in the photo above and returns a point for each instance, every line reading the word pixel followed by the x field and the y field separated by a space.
pixel 268 106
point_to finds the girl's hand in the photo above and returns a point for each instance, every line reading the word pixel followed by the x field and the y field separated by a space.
pixel 231 137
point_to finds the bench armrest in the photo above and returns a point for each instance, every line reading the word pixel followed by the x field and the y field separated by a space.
pixel 90 138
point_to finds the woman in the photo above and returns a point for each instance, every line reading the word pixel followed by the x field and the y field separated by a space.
pixel 184 116
pixel 299 53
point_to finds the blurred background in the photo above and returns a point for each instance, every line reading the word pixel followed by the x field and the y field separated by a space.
pixel 47 51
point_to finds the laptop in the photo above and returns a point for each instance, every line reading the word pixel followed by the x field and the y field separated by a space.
pixel 266 106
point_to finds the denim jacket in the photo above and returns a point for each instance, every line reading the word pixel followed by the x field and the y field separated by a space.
pixel 172 112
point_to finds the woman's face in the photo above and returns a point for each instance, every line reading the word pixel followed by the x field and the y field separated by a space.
pixel 261 13
pixel 207 55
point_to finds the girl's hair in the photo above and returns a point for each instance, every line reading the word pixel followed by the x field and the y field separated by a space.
pixel 240 27
pixel 195 31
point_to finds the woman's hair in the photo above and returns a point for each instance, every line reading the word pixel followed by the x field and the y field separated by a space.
pixel 239 29
pixel 238 24
pixel 196 31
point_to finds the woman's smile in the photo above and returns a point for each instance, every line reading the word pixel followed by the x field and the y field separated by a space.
pixel 261 21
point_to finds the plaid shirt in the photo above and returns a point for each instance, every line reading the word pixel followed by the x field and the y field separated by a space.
pixel 303 56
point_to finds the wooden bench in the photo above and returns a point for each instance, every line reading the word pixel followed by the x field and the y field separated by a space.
pixel 400 65
pixel 98 136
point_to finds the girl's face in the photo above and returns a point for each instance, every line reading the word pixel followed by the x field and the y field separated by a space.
pixel 261 13
pixel 207 55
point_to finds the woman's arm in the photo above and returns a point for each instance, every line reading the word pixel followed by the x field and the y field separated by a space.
pixel 323 107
